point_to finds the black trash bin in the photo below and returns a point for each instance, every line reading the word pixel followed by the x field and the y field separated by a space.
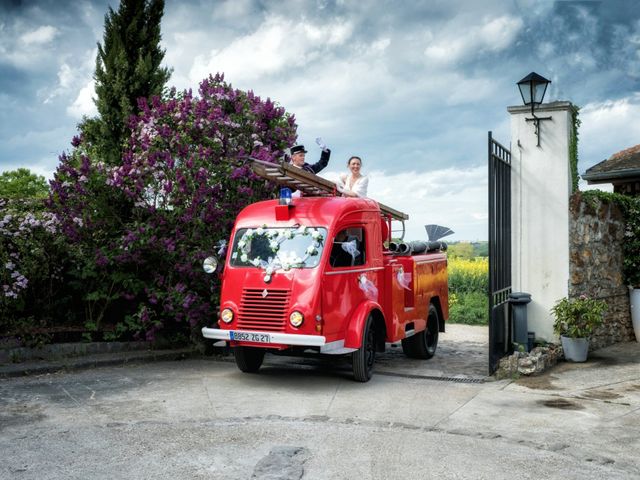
pixel 518 302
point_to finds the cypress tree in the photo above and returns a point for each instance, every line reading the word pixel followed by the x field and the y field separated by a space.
pixel 127 68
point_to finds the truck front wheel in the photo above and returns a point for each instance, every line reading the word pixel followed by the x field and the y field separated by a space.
pixel 423 344
pixel 248 359
pixel 364 358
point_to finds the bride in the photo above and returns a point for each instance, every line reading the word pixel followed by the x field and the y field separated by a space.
pixel 353 184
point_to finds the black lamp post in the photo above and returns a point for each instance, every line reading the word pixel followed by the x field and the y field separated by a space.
pixel 532 89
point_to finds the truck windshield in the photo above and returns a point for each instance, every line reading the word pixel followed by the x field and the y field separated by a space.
pixel 278 248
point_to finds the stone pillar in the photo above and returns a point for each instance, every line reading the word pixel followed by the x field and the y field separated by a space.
pixel 540 190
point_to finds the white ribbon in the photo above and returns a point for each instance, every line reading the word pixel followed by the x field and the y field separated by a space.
pixel 369 289
pixel 351 248
pixel 222 248
pixel 404 279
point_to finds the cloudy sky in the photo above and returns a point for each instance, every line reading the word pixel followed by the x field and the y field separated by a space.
pixel 412 87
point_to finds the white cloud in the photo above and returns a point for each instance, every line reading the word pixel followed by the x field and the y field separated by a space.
pixel 65 80
pixel 452 197
pixel 27 50
pixel 280 45
pixel 233 8
pixel 584 186
pixel 71 77
pixel 39 36
pixel 499 33
pixel 83 104
pixel 65 76
pixel 184 47
pixel 456 44
pixel 608 127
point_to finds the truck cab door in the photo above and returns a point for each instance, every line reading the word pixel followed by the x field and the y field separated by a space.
pixel 342 283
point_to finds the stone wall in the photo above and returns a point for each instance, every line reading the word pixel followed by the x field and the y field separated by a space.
pixel 596 233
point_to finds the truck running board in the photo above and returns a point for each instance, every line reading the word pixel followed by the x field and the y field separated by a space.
pixel 308 183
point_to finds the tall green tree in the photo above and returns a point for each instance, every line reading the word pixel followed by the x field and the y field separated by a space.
pixel 460 250
pixel 127 68
pixel 22 184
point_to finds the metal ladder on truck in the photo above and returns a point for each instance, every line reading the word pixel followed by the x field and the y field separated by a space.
pixel 312 185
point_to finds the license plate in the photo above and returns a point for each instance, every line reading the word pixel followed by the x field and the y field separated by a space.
pixel 250 337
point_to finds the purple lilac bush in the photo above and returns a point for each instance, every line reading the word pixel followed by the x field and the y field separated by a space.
pixel 139 231
pixel 30 266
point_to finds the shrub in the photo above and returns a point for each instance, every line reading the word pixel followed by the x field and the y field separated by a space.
pixel 630 207
pixel 631 246
pixel 577 317
pixel 468 286
pixel 470 308
pixel 468 275
pixel 21 184
pixel 31 268
pixel 141 230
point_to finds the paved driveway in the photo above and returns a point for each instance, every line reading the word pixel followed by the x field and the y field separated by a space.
pixel 202 418
pixel 462 355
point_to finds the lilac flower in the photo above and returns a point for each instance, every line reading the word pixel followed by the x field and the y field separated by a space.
pixel 101 259
pixel 237 173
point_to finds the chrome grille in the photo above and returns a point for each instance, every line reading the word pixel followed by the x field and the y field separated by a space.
pixel 260 312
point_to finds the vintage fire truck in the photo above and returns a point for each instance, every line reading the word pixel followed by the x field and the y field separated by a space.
pixel 319 273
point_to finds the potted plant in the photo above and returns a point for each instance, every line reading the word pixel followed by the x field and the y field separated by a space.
pixel 576 319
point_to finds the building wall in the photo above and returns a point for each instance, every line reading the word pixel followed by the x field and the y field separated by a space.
pixel 595 251
pixel 628 188
pixel 541 186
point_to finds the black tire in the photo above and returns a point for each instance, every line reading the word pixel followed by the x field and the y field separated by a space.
pixel 364 358
pixel 424 344
pixel 248 359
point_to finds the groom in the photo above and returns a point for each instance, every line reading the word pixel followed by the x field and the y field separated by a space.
pixel 298 156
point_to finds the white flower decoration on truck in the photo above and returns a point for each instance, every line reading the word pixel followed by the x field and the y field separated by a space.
pixel 273 249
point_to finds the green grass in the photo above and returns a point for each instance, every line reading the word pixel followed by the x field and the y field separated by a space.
pixel 470 308
pixel 468 287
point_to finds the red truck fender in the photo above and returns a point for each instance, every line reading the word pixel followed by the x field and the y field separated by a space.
pixel 355 330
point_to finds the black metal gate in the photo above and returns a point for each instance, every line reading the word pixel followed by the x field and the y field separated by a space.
pixel 500 328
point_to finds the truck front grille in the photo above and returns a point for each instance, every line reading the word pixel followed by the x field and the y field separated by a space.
pixel 264 309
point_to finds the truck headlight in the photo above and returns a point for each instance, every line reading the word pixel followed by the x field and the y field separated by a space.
pixel 296 319
pixel 210 264
pixel 226 315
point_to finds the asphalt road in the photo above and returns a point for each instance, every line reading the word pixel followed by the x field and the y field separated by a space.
pixel 202 418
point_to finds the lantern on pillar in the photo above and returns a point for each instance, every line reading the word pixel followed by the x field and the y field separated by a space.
pixel 532 89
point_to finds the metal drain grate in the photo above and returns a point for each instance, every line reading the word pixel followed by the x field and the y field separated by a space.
pixel 432 377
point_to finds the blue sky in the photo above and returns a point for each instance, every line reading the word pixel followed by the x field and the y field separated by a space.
pixel 411 87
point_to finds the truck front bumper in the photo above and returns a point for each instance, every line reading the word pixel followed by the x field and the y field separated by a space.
pixel 330 348
pixel 274 337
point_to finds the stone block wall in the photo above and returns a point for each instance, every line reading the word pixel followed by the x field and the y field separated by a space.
pixel 596 233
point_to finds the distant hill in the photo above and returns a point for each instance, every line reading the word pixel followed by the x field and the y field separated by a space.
pixel 468 249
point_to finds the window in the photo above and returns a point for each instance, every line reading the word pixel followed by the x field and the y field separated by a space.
pixel 348 249
pixel 278 248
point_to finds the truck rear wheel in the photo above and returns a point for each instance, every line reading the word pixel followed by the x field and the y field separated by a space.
pixel 423 344
pixel 248 359
pixel 364 358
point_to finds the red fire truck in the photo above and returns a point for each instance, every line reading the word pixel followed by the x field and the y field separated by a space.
pixel 320 274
